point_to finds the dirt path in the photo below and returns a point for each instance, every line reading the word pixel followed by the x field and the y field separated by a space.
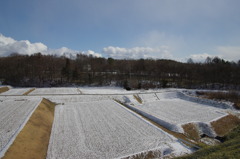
pixel 32 141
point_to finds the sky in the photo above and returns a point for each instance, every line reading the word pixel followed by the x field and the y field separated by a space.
pixel 169 29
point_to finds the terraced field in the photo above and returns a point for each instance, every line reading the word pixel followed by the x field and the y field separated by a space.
pixel 114 124
pixel 105 129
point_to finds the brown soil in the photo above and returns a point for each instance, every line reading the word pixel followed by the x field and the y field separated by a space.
pixel 3 89
pixel 26 93
pixel 225 124
pixel 191 131
pixel 32 141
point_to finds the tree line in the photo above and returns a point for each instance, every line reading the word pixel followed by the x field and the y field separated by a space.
pixel 39 70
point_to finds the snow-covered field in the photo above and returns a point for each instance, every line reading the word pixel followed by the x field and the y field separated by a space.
pixel 104 129
pixel 148 97
pixel 16 91
pixel 173 112
pixel 14 113
pixel 58 90
pixel 179 112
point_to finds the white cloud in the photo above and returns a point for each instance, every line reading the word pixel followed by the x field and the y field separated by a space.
pixel 231 53
pixel 62 52
pixel 92 53
pixel 5 40
pixel 137 52
pixel 9 46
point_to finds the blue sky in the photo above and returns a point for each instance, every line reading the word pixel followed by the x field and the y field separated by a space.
pixel 175 29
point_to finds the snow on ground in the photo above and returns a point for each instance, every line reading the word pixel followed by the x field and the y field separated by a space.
pixel 65 99
pixel 127 99
pixel 116 90
pixel 15 111
pixel 148 97
pixel 57 90
pixel 208 102
pixel 16 91
pixel 105 90
pixel 179 111
pixel 104 129
pixel 168 95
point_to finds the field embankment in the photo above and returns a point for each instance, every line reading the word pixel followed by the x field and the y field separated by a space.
pixel 3 89
pixel 26 93
pixel 32 141
pixel 225 124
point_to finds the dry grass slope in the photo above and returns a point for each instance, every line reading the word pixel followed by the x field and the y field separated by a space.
pixel 3 89
pixel 225 124
pixel 26 93
pixel 32 141
pixel 137 98
pixel 191 131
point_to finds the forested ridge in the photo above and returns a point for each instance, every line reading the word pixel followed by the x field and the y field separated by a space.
pixel 51 71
